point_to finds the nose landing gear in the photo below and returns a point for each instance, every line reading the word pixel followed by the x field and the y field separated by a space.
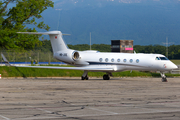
pixel 163 77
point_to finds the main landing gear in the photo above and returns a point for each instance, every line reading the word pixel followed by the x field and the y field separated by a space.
pixel 85 76
pixel 105 77
pixel 163 77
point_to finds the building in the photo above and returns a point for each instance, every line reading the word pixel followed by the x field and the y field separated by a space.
pixel 122 46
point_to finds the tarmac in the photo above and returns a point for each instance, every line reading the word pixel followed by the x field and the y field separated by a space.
pixel 94 99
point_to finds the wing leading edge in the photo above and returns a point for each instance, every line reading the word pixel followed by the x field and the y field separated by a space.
pixel 95 68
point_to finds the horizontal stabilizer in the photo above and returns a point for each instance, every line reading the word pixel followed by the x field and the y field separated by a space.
pixel 56 39
pixel 44 33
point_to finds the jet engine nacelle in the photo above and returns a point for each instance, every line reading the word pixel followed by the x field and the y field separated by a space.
pixel 76 56
pixel 72 57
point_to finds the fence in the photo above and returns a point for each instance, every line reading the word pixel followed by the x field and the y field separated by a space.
pixel 177 71
pixel 29 56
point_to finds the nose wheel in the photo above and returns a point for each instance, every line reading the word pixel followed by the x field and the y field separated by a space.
pixel 164 80
pixel 163 77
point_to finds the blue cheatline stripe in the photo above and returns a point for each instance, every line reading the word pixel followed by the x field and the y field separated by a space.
pixel 101 63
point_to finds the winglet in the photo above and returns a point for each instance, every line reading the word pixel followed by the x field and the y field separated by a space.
pixel 5 60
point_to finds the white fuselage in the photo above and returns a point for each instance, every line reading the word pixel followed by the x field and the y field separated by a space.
pixel 117 61
pixel 102 61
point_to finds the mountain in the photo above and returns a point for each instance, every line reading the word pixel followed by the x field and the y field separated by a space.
pixel 144 21
pixel 68 4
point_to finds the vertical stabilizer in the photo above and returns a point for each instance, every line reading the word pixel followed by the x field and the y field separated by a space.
pixel 57 42
pixel 56 38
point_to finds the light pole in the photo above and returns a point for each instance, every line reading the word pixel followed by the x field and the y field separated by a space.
pixel 167 44
pixel 90 40
pixel 58 18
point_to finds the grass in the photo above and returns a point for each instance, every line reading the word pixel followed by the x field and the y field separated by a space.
pixel 6 71
pixel 177 62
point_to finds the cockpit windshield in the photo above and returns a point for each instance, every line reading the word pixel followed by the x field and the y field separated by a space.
pixel 157 58
pixel 162 58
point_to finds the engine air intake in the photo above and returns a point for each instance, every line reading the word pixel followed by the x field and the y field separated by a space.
pixel 75 55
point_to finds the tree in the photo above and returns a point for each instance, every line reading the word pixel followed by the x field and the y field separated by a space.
pixel 16 18
pixel 46 46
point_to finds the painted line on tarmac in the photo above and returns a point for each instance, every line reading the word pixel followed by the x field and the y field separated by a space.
pixel 103 111
pixel 130 113
pixel 40 109
pixel 163 111
pixel 99 110
pixel 91 115
pixel 5 117
pixel 36 118
pixel 149 111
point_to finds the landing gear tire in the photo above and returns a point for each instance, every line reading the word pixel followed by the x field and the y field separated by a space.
pixel 84 78
pixel 106 77
pixel 164 80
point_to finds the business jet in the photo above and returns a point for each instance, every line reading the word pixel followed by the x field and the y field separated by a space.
pixel 95 61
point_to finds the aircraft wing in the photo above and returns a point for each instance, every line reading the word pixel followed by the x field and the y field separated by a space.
pixel 86 68
pixel 5 60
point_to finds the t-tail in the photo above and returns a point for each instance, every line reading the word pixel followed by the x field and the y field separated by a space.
pixel 56 38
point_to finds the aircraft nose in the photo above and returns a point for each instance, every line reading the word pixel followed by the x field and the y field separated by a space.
pixel 173 66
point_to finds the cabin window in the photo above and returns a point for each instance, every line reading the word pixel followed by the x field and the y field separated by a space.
pixel 131 60
pixel 100 59
pixel 112 60
pixel 124 60
pixel 157 58
pixel 163 58
pixel 118 60
pixel 137 60
pixel 106 59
